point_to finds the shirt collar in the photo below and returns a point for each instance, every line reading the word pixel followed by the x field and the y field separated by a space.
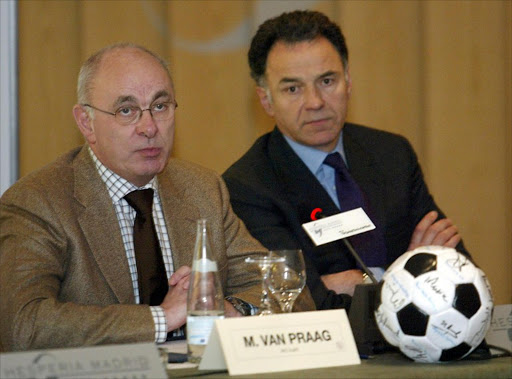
pixel 117 186
pixel 314 158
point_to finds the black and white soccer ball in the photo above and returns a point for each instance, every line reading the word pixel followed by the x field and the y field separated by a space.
pixel 435 305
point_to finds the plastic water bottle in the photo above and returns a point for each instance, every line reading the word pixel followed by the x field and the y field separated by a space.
pixel 205 297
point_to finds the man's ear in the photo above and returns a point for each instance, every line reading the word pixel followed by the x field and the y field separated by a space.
pixel 348 80
pixel 265 100
pixel 84 123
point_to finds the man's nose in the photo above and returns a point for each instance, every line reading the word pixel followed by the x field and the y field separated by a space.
pixel 313 98
pixel 146 124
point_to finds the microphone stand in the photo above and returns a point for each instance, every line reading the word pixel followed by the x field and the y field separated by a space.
pixel 360 261
pixel 367 335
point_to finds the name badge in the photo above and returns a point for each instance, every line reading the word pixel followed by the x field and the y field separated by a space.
pixel 134 361
pixel 341 225
pixel 281 342
pixel 500 331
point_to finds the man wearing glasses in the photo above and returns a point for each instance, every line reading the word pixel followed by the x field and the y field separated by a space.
pixel 69 268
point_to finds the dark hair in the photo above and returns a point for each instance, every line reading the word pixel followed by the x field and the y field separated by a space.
pixel 293 27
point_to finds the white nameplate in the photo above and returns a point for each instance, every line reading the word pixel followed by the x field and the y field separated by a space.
pixel 281 342
pixel 135 361
pixel 341 225
pixel 500 331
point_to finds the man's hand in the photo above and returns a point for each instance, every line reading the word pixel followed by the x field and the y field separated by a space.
pixel 175 302
pixel 230 311
pixel 182 273
pixel 343 282
pixel 432 232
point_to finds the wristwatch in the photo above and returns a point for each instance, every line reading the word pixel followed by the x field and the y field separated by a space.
pixel 241 306
pixel 366 278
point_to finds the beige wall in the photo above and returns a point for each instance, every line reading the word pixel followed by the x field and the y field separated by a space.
pixel 438 72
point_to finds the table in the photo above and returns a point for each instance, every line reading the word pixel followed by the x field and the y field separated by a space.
pixel 386 365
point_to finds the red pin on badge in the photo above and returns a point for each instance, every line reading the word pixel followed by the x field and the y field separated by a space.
pixel 314 213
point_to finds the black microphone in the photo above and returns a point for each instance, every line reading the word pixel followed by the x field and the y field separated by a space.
pixel 369 339
pixel 317 214
pixel 358 259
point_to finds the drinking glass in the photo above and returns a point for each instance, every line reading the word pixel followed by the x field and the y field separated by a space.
pixel 264 263
pixel 286 279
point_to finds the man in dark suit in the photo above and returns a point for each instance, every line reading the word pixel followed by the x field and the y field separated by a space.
pixel 68 270
pixel 299 61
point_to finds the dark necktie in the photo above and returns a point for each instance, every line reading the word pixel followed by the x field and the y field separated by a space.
pixel 369 245
pixel 152 278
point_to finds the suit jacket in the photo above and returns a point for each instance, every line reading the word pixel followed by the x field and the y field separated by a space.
pixel 64 276
pixel 274 192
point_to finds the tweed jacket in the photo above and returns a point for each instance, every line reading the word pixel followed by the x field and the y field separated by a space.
pixel 64 276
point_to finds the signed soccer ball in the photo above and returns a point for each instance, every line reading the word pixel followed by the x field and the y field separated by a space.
pixel 435 304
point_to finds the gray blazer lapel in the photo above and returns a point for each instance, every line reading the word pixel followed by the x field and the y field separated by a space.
pixel 101 228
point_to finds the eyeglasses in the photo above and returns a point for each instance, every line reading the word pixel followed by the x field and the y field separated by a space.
pixel 129 115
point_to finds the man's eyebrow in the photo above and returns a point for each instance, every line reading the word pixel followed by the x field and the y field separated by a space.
pixel 131 99
pixel 328 73
pixel 162 93
pixel 124 99
pixel 289 80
